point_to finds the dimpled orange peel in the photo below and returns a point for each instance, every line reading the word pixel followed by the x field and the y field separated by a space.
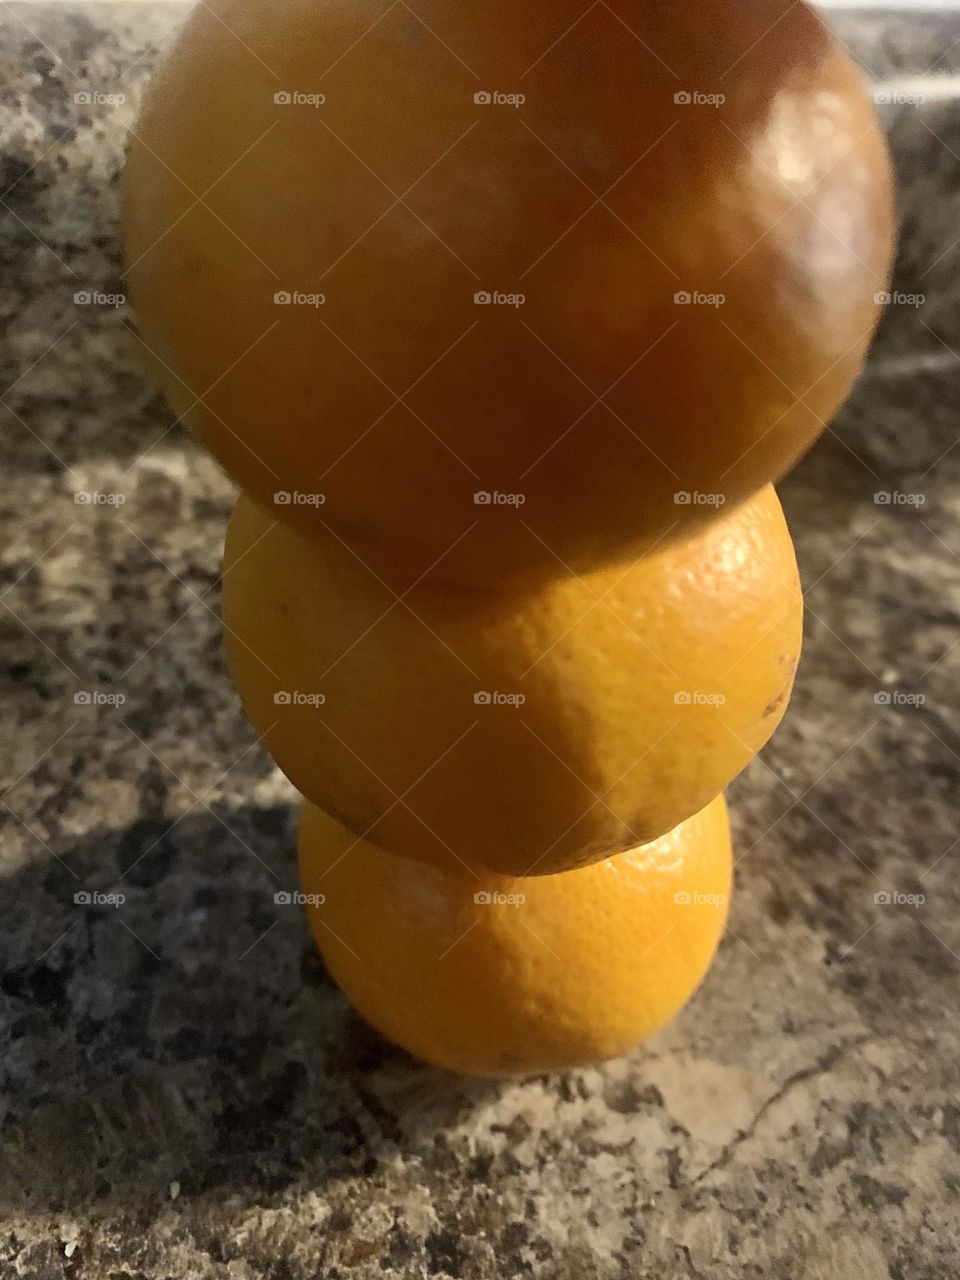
pixel 501 975
pixel 505 317
pixel 515 732
pixel 333 211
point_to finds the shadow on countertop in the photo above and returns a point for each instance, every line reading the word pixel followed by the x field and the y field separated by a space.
pixel 191 1034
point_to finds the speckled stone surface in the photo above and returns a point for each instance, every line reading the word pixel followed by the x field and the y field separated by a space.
pixel 185 1092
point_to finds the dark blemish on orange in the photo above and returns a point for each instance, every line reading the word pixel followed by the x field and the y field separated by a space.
pixel 771 707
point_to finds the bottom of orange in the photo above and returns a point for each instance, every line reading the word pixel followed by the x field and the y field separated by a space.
pixel 496 975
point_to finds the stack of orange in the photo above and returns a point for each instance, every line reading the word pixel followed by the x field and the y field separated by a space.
pixel 506 374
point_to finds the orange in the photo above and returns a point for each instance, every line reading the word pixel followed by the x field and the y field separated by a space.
pixel 693 201
pixel 503 976
pixel 518 733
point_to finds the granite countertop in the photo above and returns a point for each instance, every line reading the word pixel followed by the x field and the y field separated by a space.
pixel 185 1092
